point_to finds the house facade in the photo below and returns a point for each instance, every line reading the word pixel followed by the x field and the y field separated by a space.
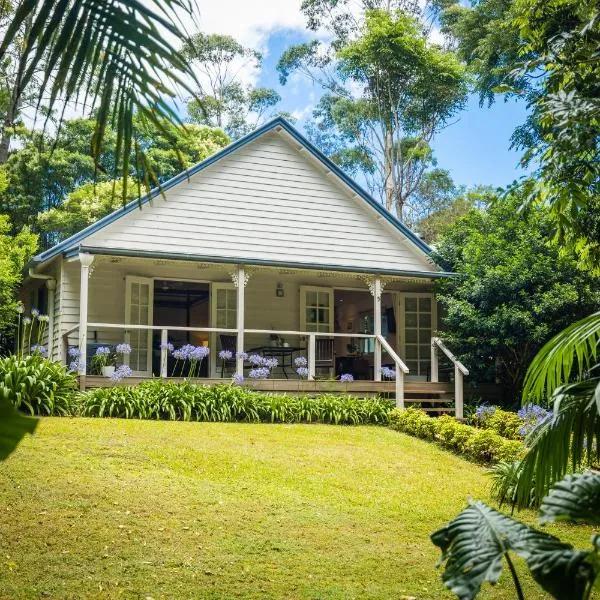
pixel 266 246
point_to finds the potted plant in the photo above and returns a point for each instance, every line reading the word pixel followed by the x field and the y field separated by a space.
pixel 104 361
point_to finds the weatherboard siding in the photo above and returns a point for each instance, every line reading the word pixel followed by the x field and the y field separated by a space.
pixel 266 201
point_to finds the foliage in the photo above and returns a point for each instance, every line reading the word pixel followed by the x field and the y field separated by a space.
pixel 508 47
pixel 475 543
pixel 387 92
pixel 514 289
pixel 13 427
pixel 221 99
pixel 483 446
pixel 112 57
pixel 37 385
pixel 15 252
pixel 189 402
pixel 504 422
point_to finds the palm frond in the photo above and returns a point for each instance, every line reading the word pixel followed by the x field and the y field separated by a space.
pixel 476 542
pixel 574 347
pixel 569 439
pixel 113 57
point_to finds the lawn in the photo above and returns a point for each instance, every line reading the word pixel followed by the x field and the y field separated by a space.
pixel 104 508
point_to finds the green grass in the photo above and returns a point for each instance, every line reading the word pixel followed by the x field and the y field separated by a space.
pixel 106 508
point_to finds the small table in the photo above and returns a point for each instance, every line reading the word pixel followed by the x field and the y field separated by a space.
pixel 283 354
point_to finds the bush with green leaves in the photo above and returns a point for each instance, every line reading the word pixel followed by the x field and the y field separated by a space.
pixel 226 403
pixel 37 385
pixel 475 543
pixel 504 422
pixel 480 445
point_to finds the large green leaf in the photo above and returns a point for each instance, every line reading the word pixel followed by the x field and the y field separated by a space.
pixel 569 440
pixel 13 427
pixel 114 57
pixel 475 543
pixel 575 498
pixel 573 349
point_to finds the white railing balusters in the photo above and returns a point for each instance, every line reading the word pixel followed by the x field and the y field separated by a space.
pixel 459 372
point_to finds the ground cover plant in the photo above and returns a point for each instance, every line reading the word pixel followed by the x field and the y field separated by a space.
pixel 115 508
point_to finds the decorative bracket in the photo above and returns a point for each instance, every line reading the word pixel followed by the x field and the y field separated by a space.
pixel 235 277
pixel 369 281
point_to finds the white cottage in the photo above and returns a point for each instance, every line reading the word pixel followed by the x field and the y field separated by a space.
pixel 266 246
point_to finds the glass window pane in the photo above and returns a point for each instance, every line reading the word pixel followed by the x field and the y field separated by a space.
pixel 323 315
pixel 135 293
pixel 144 293
pixel 411 351
pixel 323 299
pixel 412 367
pixel 221 318
pixel 311 298
pixel 144 317
pixel 311 326
pixel 425 304
pixel 411 336
pixel 424 351
pixel 424 320
pixel 231 318
pixel 411 320
pixel 410 304
pixel 231 298
pixel 311 315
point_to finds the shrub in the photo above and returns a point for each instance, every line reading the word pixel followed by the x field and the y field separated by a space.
pixel 37 385
pixel 505 423
pixel 480 445
pixel 225 403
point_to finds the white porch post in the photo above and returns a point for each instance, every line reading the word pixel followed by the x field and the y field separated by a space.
pixel 164 339
pixel 458 392
pixel 86 261
pixel 240 283
pixel 377 290
pixel 434 361
pixel 51 286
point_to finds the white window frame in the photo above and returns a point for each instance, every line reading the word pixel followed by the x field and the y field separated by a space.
pixel 149 281
pixel 215 286
pixel 304 289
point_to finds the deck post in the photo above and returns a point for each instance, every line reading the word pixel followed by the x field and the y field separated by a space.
pixel 376 291
pixel 312 348
pixel 434 361
pixel 51 286
pixel 86 261
pixel 399 388
pixel 164 339
pixel 458 392
pixel 240 283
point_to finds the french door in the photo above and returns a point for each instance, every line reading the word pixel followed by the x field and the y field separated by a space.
pixel 223 314
pixel 139 310
pixel 316 309
pixel 418 317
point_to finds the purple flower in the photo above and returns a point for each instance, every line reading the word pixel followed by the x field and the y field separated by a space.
pixel 226 355
pixel 123 349
pixel 347 378
pixel 74 352
pixel 388 373
pixel 257 360
pixel 167 346
pixel 532 415
pixel 259 373
pixel 103 351
pixel 484 412
pixel 198 353
pixel 242 355
pixel 186 351
pixel 302 371
pixel 121 372
pixel 237 379
pixel 271 363
pixel 75 365
pixel 39 349
pixel 179 354
pixel 301 361
pixel 35 313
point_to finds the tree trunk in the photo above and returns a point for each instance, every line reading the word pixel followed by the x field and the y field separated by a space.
pixel 388 166
pixel 8 125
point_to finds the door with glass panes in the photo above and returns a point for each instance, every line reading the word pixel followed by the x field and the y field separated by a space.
pixel 139 307
pixel 223 316
pixel 417 317
pixel 316 309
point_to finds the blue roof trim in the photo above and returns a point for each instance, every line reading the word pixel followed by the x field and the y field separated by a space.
pixel 74 240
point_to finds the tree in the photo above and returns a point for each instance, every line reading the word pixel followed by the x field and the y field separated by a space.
pixel 93 200
pixel 114 58
pixel 408 90
pixel 221 99
pixel 514 289
pixel 508 45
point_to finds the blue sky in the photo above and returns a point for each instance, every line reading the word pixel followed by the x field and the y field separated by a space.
pixel 475 148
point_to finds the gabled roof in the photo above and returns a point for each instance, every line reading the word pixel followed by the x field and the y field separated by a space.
pixel 275 124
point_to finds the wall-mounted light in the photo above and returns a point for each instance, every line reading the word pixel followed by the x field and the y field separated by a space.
pixel 279 290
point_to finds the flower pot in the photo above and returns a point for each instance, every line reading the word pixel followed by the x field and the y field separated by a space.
pixel 108 371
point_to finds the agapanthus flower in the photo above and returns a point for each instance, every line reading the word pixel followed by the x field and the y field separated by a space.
pixel 44 318
pixel 75 365
pixel 186 350
pixel 39 349
pixel 20 308
pixel 257 360
pixel 484 412
pixel 301 361
pixel 259 373
pixel 238 379
pixel 26 320
pixel 302 371
pixel 167 346
pixel 198 353
pixel 121 372
pixel 179 354
pixel 347 378
pixel 123 349
pixel 226 355
pixel 103 351
pixel 242 355
pixel 74 352
pixel 388 373
pixel 532 415
pixel 35 313
pixel 271 363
